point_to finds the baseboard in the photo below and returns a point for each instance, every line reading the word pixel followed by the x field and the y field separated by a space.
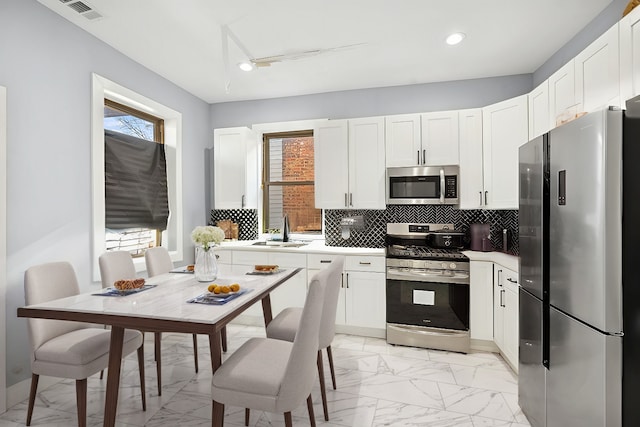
pixel 20 391
pixel 361 331
pixel 484 345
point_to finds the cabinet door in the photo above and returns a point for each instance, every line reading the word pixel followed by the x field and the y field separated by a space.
pixel 630 54
pixel 471 177
pixel 331 157
pixel 562 94
pixel 481 300
pixel 293 292
pixel 511 322
pixel 539 110
pixel 234 149
pixel 440 138
pixel 504 129
pixel 365 299
pixel 402 140
pixel 498 306
pixel 367 170
pixel 598 73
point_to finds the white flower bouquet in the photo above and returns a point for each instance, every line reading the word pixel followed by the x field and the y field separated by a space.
pixel 206 235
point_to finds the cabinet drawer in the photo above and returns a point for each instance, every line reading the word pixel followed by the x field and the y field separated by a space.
pixel 320 261
pixel 510 277
pixel 250 258
pixel 223 256
pixel 288 260
pixel 365 263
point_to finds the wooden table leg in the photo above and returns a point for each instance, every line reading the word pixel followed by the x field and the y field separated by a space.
pixel 113 376
pixel 266 310
pixel 216 350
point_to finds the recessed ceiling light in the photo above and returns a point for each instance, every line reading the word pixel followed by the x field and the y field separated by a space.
pixel 455 38
pixel 245 66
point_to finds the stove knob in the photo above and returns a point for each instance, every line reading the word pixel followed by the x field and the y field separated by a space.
pixel 452 266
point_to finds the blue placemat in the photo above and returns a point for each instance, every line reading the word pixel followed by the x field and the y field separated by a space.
pixel 113 292
pixel 217 299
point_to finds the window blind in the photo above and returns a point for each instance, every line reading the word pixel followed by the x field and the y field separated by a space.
pixel 135 182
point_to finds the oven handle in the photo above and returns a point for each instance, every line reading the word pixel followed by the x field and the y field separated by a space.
pixel 428 330
pixel 395 274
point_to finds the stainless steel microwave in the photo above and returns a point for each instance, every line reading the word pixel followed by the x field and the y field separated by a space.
pixel 423 185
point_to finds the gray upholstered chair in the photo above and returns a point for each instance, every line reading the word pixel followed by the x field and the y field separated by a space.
pixel 118 265
pixel 158 261
pixel 68 349
pixel 273 375
pixel 285 325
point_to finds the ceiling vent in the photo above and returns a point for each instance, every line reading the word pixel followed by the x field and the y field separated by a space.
pixel 83 9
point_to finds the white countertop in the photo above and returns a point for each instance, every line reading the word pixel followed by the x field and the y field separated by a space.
pixel 314 247
pixel 511 262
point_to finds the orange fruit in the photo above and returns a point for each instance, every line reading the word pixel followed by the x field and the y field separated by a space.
pixel 234 287
pixel 211 287
pixel 224 289
pixel 217 289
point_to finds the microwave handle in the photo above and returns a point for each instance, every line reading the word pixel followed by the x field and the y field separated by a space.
pixel 441 185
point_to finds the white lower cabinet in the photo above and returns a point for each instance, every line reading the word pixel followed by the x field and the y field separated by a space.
pixel 292 293
pixel 505 314
pixel 361 304
pixel 481 301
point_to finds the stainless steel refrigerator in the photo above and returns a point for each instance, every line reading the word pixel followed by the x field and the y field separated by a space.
pixel 579 234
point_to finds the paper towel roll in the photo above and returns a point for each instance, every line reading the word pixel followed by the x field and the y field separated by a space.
pixel 346 233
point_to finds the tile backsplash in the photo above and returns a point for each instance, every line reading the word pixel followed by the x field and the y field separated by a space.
pixel 247 220
pixel 372 236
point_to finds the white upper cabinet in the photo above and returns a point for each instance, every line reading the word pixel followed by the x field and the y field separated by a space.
pixel 597 71
pixel 403 144
pixel 471 178
pixel 429 139
pixel 562 94
pixel 367 171
pixel 539 116
pixel 350 164
pixel 504 129
pixel 440 138
pixel 331 157
pixel 235 164
pixel 629 28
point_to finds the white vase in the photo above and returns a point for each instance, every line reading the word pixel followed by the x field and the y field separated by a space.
pixel 206 265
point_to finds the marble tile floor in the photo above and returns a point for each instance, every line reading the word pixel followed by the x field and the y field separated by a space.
pixel 378 385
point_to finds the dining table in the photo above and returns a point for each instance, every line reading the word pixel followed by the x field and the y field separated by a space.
pixel 171 302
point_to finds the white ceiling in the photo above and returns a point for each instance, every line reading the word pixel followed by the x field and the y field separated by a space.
pixel 397 42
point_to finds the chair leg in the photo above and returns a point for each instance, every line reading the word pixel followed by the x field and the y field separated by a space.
pixel 223 334
pixel 81 402
pixel 195 351
pixel 217 415
pixel 102 374
pixel 32 396
pixel 333 372
pixel 247 411
pixel 141 371
pixel 323 390
pixel 158 356
pixel 288 422
pixel 312 417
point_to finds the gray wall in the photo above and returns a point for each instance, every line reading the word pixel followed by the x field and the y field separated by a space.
pixel 601 23
pixel 46 65
pixel 372 102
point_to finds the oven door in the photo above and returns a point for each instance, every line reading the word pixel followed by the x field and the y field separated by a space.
pixel 428 303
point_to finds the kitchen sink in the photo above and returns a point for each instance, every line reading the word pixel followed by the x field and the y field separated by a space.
pixel 280 244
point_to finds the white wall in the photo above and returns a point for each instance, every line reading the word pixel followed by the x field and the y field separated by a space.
pixel 46 65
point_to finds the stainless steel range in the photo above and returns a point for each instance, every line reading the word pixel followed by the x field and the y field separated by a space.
pixel 427 290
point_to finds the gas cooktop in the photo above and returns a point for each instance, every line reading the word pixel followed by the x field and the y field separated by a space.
pixel 409 241
pixel 423 252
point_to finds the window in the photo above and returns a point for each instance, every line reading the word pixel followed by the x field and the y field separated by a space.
pixel 288 182
pixel 173 236
pixel 129 121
